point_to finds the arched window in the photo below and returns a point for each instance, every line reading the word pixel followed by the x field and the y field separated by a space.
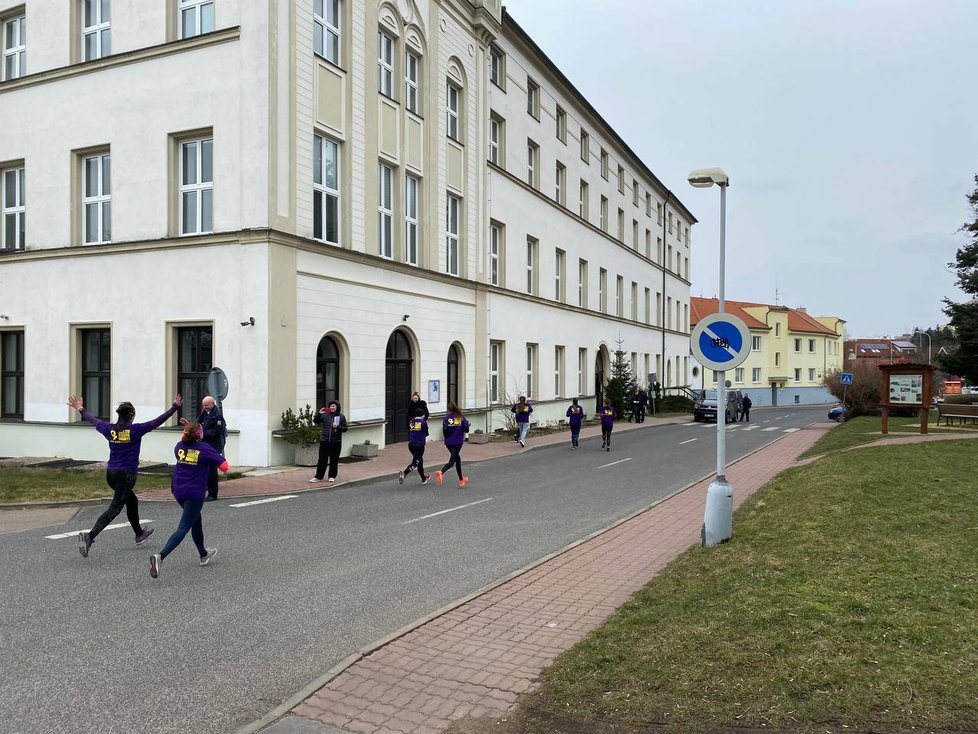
pixel 327 372
pixel 451 393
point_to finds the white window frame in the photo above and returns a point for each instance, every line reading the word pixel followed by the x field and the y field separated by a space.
pixel 495 358
pixel 13 207
pixel 412 83
pixel 560 173
pixel 559 260
pixel 531 257
pixel 326 193
pixel 603 223
pixel 495 242
pixel 648 307
pixel 797 374
pixel 533 98
pixel 755 375
pixel 495 139
pixel 199 188
pixel 811 346
pixel 585 146
pixel 797 345
pixel 15 55
pixel 496 67
pixel 412 193
pixel 98 29
pixel 531 362
pixel 385 211
pixel 197 7
pixel 755 343
pixel 326 29
pixel 532 152
pixel 811 374
pixel 621 179
pixel 603 290
pixel 634 301
pixel 453 94
pixel 619 296
pixel 560 125
pixel 99 202
pixel 604 164
pixel 558 371
pixel 385 64
pixel 581 371
pixel 582 283
pixel 453 212
pixel 739 375
pixel 584 204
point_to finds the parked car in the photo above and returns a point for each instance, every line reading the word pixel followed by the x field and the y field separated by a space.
pixel 705 406
pixel 838 413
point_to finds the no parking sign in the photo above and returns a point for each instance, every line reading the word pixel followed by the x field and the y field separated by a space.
pixel 721 341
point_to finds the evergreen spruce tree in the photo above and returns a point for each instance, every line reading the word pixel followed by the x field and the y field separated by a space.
pixel 619 388
pixel 964 316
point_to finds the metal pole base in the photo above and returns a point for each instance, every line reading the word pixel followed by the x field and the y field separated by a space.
pixel 718 516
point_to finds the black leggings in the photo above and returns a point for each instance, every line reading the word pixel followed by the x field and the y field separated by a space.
pixel 453 460
pixel 417 460
pixel 122 482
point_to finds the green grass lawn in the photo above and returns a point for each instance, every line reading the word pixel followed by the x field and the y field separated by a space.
pixel 847 600
pixel 62 485
pixel 866 429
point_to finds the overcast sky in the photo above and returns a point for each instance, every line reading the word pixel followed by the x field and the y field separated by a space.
pixel 849 130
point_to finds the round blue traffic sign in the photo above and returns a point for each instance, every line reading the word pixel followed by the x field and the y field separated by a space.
pixel 721 341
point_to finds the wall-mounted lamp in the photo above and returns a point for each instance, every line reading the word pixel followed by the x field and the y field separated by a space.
pixel 405 317
pixel 249 322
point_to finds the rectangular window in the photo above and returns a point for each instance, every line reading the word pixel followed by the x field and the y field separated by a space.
pixel 531 369
pixel 668 312
pixel 452 206
pixel 755 375
pixel 585 147
pixel 495 252
pixel 495 140
pixel 603 290
pixel 197 186
pixel 635 192
pixel 14 209
pixel 452 94
pixel 412 84
pixel 561 183
pixel 797 346
pixel 658 213
pixel 11 375
pixel 326 190
pixel 648 243
pixel 621 225
pixel 96 353
pixel 755 343
pixel 559 275
pixel 584 204
pixel 648 306
pixel 582 371
pixel 739 375
pixel 411 187
pixel 670 222
pixel 14 47
pixel 604 164
pixel 326 29
pixel 532 156
pixel 531 261
pixel 561 125
pixel 811 346
pixel 686 317
pixel 648 205
pixel 621 180
pixel 558 371
pixel 385 211
pixel 95 29
pixel 533 98
pixel 496 69
pixel 495 365
pixel 96 198
pixel 194 361
pixel 385 64
pixel 634 301
pixel 686 268
pixel 777 330
pixel 797 374
pixel 777 359
pixel 635 242
pixel 196 17
pixel 619 296
pixel 582 283
pixel 658 250
pixel 603 223
pixel 811 374
pixel 658 311
pixel 669 258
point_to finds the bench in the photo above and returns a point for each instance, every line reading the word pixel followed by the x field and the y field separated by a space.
pixel 950 411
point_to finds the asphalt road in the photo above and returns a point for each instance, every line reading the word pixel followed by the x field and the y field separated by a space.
pixel 298 584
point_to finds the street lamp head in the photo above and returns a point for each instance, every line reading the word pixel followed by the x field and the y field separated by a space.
pixel 704 178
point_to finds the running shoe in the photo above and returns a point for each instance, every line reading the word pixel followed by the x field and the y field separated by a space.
pixel 438 478
pixel 522 445
pixel 608 448
pixel 332 479
pixel 84 543
pixel 314 480
pixel 155 562
pixel 400 478
pixel 462 482
pixel 426 479
pixel 204 560
pixel 144 535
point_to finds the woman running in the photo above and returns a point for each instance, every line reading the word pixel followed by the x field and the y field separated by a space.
pixel 607 424
pixel 454 427
pixel 189 487
pixel 575 416
pixel 125 439
pixel 417 436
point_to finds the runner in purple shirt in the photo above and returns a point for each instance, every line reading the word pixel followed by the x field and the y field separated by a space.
pixel 575 416
pixel 417 436
pixel 125 439
pixel 607 414
pixel 454 426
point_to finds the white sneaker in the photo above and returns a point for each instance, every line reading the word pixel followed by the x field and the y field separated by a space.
pixel 155 563
pixel 314 480
pixel 204 560
pixel 332 479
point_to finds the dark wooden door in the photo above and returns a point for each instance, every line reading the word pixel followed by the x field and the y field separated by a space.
pixel 397 387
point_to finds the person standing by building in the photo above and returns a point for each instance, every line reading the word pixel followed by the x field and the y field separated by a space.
pixel 643 402
pixel 188 484
pixel 331 441
pixel 125 439
pixel 417 438
pixel 607 424
pixel 211 419
pixel 634 402
pixel 747 402
pixel 575 417
pixel 417 407
pixel 522 410
pixel 454 426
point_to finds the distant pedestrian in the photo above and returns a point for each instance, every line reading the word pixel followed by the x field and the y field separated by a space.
pixel 746 407
pixel 454 427
pixel 643 402
pixel 635 403
pixel 331 441
pixel 607 424
pixel 125 439
pixel 575 416
pixel 189 487
pixel 417 407
pixel 211 419
pixel 417 438
pixel 522 411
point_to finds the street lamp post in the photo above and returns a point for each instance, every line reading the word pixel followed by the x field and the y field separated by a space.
pixel 718 515
pixel 918 331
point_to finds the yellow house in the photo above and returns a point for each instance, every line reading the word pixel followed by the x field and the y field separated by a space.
pixel 790 352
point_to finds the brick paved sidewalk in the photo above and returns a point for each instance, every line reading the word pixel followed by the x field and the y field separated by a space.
pixel 474 659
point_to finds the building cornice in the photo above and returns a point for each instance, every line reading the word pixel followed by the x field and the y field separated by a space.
pixel 225 35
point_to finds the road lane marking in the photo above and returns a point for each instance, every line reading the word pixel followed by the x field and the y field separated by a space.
pixel 751 428
pixel 689 441
pixel 442 512
pixel 620 461
pixel 74 533
pixel 267 499
pixel 772 428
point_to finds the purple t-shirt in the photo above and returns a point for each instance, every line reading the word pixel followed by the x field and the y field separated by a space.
pixel 417 430
pixel 189 481
pixel 575 415
pixel 522 411
pixel 454 427
pixel 607 417
pixel 125 439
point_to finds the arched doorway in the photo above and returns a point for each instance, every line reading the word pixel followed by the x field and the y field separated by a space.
pixel 451 388
pixel 327 372
pixel 397 387
pixel 598 381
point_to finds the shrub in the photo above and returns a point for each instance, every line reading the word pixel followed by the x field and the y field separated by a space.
pixel 300 429
pixel 674 404
pixel 863 395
